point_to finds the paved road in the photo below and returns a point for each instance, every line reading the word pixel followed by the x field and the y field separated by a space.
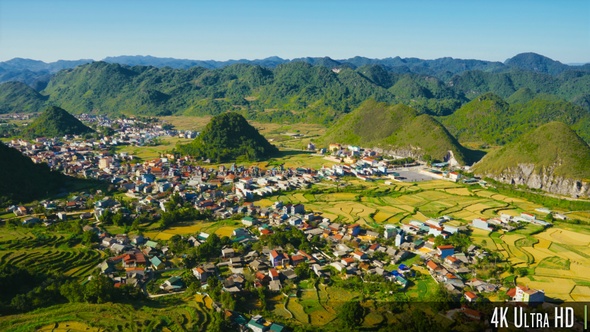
pixel 151 296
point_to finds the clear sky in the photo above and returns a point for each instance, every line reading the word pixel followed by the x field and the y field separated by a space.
pixel 49 30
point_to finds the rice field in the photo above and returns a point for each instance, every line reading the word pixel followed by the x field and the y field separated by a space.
pixel 221 228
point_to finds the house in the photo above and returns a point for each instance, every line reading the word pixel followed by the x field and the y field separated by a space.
pixel 275 327
pixel 31 221
pixel 446 250
pixel 249 221
pixel 297 259
pixel 527 295
pixel 157 264
pixel 227 252
pixel 481 223
pixel 275 286
pixel 354 229
pixel 257 265
pixel 200 274
pixel 432 266
pixel 452 261
pixel 277 259
pixel 256 324
pixel 20 211
pixel 172 284
pixel 273 274
pixel 470 296
pixel 359 255
pixel 389 232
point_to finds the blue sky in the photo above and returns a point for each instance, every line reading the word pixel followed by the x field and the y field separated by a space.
pixel 490 30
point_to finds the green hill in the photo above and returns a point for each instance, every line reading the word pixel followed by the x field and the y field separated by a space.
pixel 489 119
pixel 541 159
pixel 395 127
pixel 229 137
pixel 21 180
pixel 536 62
pixel 521 96
pixel 17 97
pixel 54 122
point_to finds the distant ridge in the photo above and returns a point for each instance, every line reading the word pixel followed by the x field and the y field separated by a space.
pixel 36 73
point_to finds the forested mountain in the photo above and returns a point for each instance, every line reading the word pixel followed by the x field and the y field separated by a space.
pixel 292 91
pixel 54 122
pixel 19 97
pixel 551 157
pixel 397 128
pixel 488 119
pixel 21 180
pixel 228 137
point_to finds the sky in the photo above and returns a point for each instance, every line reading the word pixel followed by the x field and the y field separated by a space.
pixel 494 30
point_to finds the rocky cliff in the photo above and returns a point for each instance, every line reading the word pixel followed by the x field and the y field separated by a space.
pixel 544 179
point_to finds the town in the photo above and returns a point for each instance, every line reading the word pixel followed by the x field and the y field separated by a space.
pixel 272 248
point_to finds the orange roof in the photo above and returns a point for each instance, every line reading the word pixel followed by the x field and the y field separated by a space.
pixel 432 265
pixel 273 273
pixel 447 246
pixel 511 292
pixel 470 295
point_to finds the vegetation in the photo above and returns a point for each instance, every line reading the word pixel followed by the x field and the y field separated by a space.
pixel 19 97
pixel 230 137
pixel 21 180
pixel 395 127
pixel 312 89
pixel 553 147
pixel 490 120
pixel 56 122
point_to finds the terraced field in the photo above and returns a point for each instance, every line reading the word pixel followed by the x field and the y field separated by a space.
pixel 47 253
pixel 191 316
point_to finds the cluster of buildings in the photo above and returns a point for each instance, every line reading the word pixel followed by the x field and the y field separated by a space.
pixel 507 222
pixel 352 250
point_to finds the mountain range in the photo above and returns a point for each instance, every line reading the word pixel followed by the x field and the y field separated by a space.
pixel 296 90
pixel 442 105
pixel 36 73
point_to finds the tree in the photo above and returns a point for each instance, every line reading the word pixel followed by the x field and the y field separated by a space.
pixel 89 237
pixel 351 314
pixel 99 289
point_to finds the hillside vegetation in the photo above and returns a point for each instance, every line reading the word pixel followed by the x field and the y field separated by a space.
pixel 491 120
pixel 396 127
pixel 551 157
pixel 21 180
pixel 230 137
pixel 54 122
pixel 316 90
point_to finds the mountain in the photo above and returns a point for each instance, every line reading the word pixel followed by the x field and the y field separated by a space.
pixel 54 122
pixel 489 119
pixel 537 63
pixel 552 158
pixel 17 97
pixel 21 180
pixel 397 128
pixel 230 137
pixel 34 73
